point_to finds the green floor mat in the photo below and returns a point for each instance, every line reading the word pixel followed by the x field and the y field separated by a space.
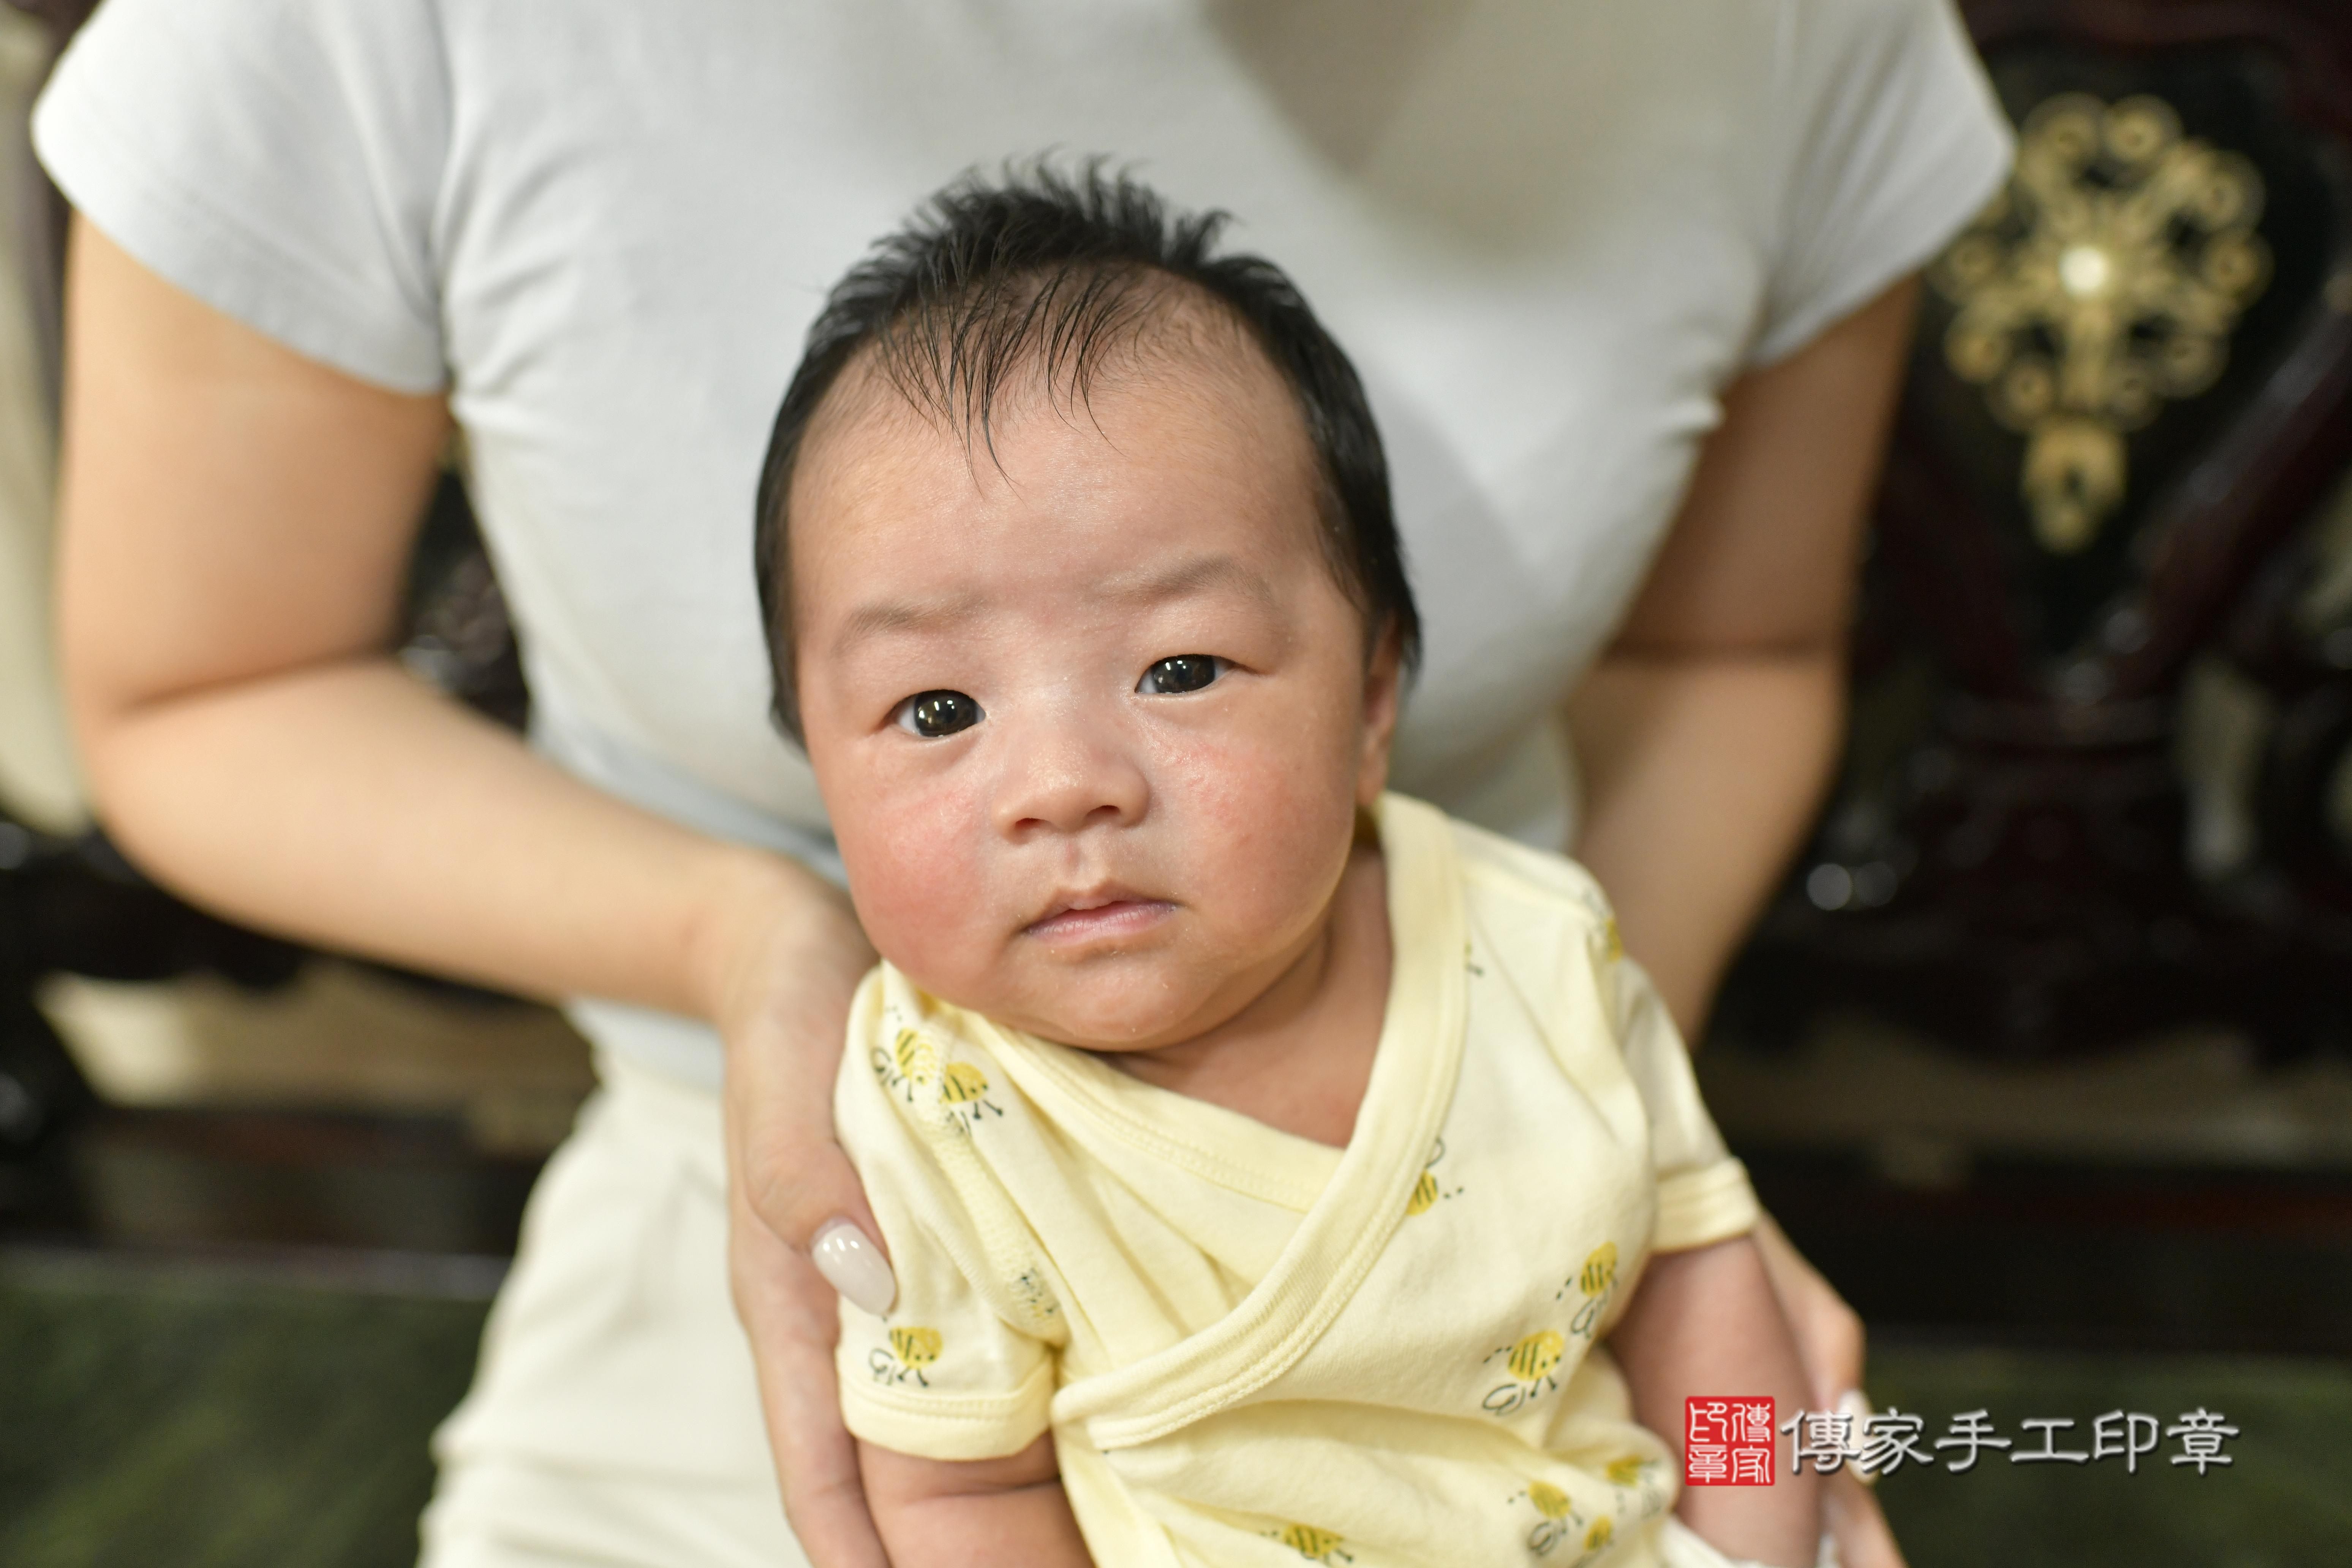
pixel 2284 1501
pixel 199 1417
pixel 204 1420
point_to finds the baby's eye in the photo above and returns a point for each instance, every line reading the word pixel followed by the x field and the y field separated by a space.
pixel 935 715
pixel 1185 672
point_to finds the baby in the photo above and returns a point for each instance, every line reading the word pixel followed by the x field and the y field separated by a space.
pixel 1261 1155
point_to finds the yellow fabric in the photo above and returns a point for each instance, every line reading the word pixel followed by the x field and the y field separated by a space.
pixel 1251 1348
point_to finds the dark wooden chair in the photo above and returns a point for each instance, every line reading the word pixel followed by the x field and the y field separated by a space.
pixel 2127 428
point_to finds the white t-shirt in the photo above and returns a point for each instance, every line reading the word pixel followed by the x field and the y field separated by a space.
pixel 1547 231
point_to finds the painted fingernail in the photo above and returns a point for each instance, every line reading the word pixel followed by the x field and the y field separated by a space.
pixel 855 1266
pixel 1854 1405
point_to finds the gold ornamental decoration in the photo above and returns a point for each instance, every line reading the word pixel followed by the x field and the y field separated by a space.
pixel 2104 281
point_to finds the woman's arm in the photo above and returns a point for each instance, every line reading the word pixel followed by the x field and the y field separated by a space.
pixel 974 1513
pixel 1705 1325
pixel 1707 731
pixel 235 523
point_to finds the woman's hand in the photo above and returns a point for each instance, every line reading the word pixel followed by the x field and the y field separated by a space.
pixel 1830 1344
pixel 780 978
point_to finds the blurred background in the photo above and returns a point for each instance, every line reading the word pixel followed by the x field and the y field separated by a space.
pixel 2044 1055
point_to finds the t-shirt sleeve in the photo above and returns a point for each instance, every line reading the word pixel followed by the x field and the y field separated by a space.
pixel 1888 138
pixel 1703 1192
pixel 950 1372
pixel 279 160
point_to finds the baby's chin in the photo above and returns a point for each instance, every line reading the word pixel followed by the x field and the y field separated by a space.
pixel 1110 1008
pixel 1090 1026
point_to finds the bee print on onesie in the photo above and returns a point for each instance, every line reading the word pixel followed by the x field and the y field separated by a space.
pixel 1315 1545
pixel 1556 1519
pixel 1430 1188
pixel 1036 1297
pixel 1533 1366
pixel 964 1090
pixel 1596 1282
pixel 909 1352
pixel 912 1063
pixel 1639 1485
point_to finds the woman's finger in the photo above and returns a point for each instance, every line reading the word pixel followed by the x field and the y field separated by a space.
pixel 786 1005
pixel 789 1312
pixel 1831 1343
pixel 854 1266
pixel 1857 1524
pixel 794 1200
pixel 1829 1337
pixel 790 1187
pixel 784 1160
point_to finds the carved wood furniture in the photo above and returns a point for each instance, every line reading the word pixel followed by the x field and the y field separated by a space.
pixel 2126 428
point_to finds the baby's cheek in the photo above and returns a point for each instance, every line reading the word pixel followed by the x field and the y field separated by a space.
pixel 1269 823
pixel 915 866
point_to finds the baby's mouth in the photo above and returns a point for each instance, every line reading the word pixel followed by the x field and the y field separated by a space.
pixel 1109 911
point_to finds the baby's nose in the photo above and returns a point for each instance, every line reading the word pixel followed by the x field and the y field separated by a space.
pixel 1070 776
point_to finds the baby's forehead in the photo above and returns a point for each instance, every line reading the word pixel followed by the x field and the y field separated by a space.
pixel 963 368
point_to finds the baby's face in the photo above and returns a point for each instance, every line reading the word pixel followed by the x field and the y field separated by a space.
pixel 1092 721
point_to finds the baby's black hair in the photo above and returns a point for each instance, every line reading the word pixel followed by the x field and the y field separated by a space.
pixel 1046 270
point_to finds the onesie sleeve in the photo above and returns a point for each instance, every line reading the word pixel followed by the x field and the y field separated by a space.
pixel 279 160
pixel 1703 1192
pixel 1886 139
pixel 963 1365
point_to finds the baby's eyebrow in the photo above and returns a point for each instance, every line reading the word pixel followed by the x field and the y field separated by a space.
pixel 1151 585
pixel 890 616
pixel 1200 572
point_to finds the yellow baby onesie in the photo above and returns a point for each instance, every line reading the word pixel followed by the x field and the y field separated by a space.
pixel 1254 1349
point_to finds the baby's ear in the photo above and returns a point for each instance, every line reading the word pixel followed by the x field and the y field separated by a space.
pixel 1384 692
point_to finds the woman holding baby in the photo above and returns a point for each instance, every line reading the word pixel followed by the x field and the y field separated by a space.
pixel 1627 289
